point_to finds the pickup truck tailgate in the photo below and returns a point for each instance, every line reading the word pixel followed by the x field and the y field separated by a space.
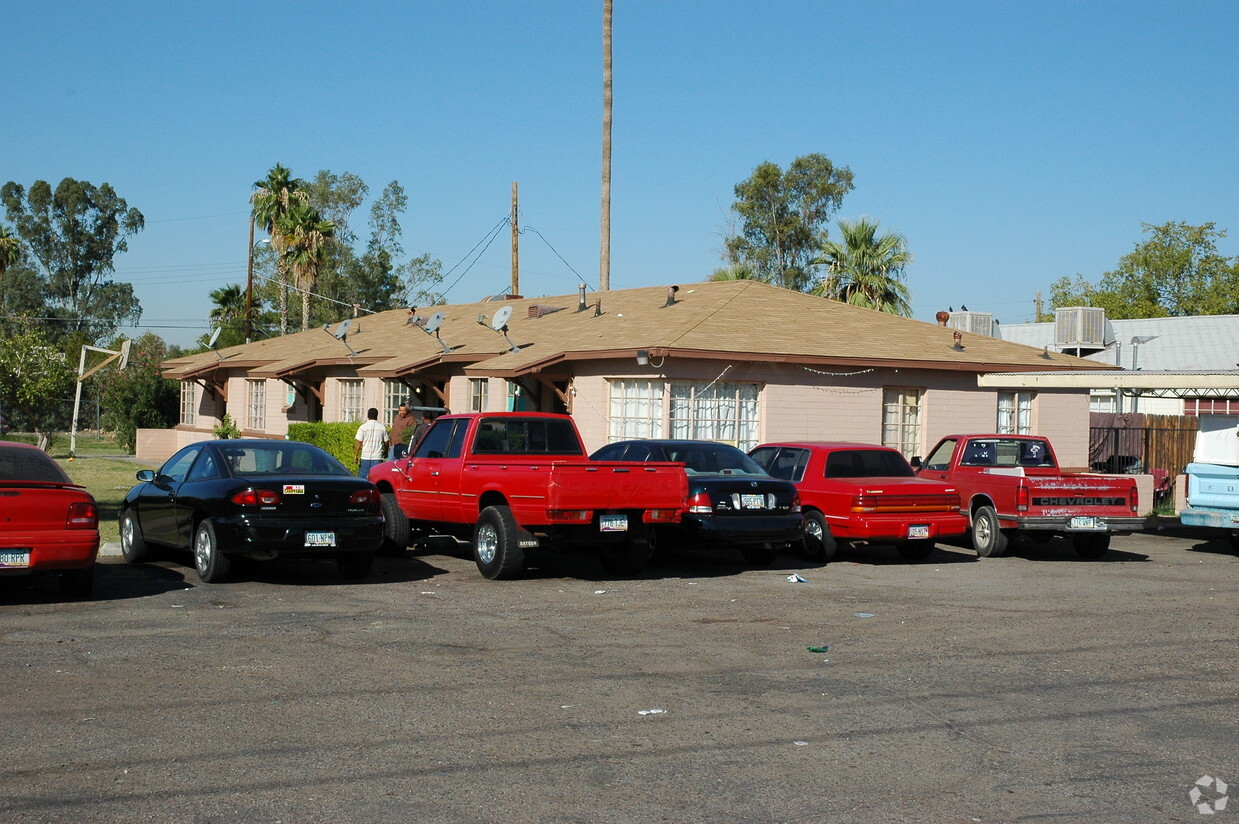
pixel 1212 485
pixel 617 485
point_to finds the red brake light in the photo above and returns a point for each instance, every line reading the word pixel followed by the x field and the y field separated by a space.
pixel 82 515
pixel 796 502
pixel 1135 499
pixel 1021 497
pixel 256 497
pixel 363 497
pixel 699 504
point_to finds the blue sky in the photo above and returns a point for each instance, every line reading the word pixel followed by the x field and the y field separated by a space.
pixel 1012 143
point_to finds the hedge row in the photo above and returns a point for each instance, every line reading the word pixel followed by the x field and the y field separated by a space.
pixel 336 439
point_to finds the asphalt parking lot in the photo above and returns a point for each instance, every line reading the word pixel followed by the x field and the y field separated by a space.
pixel 1030 687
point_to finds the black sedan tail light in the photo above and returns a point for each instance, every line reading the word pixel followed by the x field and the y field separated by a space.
pixel 365 497
pixel 256 497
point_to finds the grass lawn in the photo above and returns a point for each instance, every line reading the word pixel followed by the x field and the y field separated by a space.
pixel 101 468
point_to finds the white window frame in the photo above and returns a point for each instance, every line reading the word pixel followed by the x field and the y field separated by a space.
pixel 394 394
pixel 352 399
pixel 901 418
pixel 256 404
pixel 724 411
pixel 479 394
pixel 637 409
pixel 189 403
pixel 1015 412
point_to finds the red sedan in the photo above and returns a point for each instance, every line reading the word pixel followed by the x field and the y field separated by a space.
pixel 48 524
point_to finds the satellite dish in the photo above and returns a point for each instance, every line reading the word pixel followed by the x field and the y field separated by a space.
pixel 500 320
pixel 214 337
pixel 435 321
pixel 342 329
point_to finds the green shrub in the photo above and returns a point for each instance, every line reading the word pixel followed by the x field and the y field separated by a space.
pixel 336 439
pixel 226 428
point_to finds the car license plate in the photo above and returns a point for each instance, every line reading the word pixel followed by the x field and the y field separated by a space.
pixel 1081 522
pixel 752 501
pixel 320 539
pixel 613 523
pixel 14 558
pixel 918 531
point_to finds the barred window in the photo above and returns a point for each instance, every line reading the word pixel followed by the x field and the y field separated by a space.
pixel 716 411
pixel 256 404
pixel 189 403
pixel 350 400
pixel 1015 413
pixel 636 409
pixel 901 420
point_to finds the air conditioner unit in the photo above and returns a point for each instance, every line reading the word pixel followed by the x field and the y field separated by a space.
pixel 974 323
pixel 1080 327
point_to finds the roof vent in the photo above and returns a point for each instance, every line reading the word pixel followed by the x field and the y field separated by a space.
pixel 1080 327
pixel 671 290
pixel 537 311
pixel 974 323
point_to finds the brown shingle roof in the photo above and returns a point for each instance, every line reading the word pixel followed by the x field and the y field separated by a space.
pixel 741 320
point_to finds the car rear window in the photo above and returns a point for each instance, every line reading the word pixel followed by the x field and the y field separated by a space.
pixel 867 463
pixel 17 464
pixel 280 459
pixel 526 436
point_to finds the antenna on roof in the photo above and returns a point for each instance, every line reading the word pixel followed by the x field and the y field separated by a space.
pixel 499 322
pixel 431 327
pixel 341 334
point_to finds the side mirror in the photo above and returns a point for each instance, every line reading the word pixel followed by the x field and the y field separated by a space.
pixel 916 461
pixel 145 475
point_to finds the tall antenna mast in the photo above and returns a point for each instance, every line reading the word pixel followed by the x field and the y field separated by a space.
pixel 604 262
pixel 516 255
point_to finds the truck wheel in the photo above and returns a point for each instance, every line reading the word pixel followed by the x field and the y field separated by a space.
pixel 355 565
pixel 915 550
pixel 212 565
pixel 1090 546
pixel 395 525
pixel 988 539
pixel 496 545
pixel 132 546
pixel 629 556
pixel 760 555
pixel 818 544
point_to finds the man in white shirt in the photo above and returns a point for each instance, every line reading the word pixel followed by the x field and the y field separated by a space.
pixel 370 442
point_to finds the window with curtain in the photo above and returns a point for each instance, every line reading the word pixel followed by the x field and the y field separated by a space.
pixel 901 419
pixel 636 409
pixel 1015 413
pixel 189 403
pixel 478 391
pixel 350 400
pixel 716 411
pixel 394 394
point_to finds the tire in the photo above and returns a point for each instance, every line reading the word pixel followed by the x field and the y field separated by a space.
pixel 628 557
pixel 915 550
pixel 132 545
pixel 77 583
pixel 496 544
pixel 355 565
pixel 395 526
pixel 760 555
pixel 818 544
pixel 1091 545
pixel 212 565
pixel 988 539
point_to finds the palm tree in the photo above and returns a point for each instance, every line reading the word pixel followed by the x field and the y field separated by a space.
pixel 866 269
pixel 272 200
pixel 307 236
pixel 229 304
pixel 10 250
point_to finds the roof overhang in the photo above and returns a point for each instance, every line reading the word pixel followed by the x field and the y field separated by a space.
pixel 1165 384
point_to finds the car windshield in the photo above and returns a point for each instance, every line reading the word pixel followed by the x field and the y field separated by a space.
pixel 280 458
pixel 712 459
pixel 867 463
pixel 17 464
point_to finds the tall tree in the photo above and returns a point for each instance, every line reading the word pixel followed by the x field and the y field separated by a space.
pixel 866 268
pixel 784 218
pixel 35 379
pixel 307 237
pixel 1176 271
pixel 138 396
pixel 273 198
pixel 73 234
pixel 10 250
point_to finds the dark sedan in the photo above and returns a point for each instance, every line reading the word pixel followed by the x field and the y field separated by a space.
pixel 731 500
pixel 254 498
pixel 48 524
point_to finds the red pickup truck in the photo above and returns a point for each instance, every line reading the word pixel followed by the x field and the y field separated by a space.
pixel 861 492
pixel 511 481
pixel 1012 484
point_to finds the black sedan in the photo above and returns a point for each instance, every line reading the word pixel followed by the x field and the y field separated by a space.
pixel 731 500
pixel 254 498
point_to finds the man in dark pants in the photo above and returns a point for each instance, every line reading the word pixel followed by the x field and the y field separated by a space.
pixel 401 425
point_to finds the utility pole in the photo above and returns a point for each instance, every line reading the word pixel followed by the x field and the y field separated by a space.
pixel 604 262
pixel 1037 304
pixel 516 249
pixel 249 288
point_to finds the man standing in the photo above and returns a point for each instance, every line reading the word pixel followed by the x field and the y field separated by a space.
pixel 400 427
pixel 422 428
pixel 369 443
